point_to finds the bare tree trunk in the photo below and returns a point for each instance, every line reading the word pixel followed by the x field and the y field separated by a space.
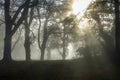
pixel 27 43
pixel 64 46
pixel 27 35
pixel 7 49
pixel 42 53
pixel 48 54
pixel 8 27
pixel 45 38
pixel 64 49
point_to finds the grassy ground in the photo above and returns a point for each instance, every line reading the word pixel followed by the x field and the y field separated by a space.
pixel 57 70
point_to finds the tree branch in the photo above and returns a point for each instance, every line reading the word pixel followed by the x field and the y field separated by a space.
pixel 23 16
pixel 18 11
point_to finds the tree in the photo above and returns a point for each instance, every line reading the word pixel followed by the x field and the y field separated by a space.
pixel 42 45
pixel 117 24
pixel 27 43
pixel 12 23
pixel 98 11
pixel 50 13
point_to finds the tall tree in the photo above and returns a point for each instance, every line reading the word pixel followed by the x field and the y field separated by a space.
pixel 12 23
pixel 98 11
pixel 50 10
pixel 117 24
pixel 27 43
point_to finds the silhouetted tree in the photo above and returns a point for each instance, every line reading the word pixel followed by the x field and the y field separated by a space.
pixel 12 22
pixel 117 34
pixel 27 43
pixel 11 25
pixel 51 13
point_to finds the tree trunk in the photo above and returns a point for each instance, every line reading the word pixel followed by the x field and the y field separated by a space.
pixel 117 34
pixel 48 54
pixel 45 38
pixel 117 21
pixel 27 35
pixel 7 49
pixel 64 46
pixel 8 38
pixel 27 43
pixel 42 53
pixel 64 50
pixel 43 46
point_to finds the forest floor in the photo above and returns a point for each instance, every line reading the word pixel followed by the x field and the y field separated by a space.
pixel 58 70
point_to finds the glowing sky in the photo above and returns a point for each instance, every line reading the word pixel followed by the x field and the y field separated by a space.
pixel 79 6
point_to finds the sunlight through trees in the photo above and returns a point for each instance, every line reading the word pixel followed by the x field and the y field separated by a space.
pixel 56 29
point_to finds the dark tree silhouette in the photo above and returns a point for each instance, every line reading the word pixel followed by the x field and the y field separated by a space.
pixel 27 43
pixel 12 23
pixel 117 24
